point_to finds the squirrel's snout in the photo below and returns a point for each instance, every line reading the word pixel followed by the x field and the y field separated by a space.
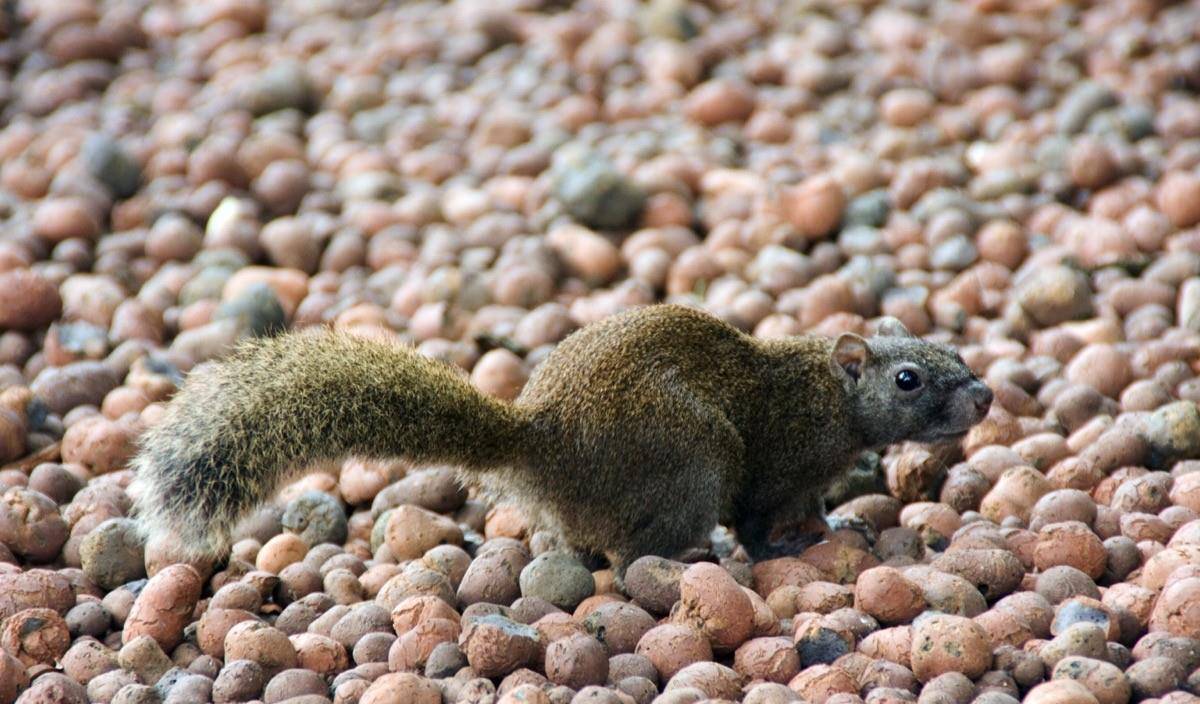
pixel 981 396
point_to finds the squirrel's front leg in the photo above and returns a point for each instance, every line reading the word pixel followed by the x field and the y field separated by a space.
pixel 786 532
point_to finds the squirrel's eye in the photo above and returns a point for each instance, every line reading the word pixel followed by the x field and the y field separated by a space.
pixel 907 380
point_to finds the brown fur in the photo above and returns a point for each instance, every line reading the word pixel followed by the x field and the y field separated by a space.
pixel 635 436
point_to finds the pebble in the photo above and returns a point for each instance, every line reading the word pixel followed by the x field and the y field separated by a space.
pixel 76 384
pixel 1055 295
pixel 814 207
pixel 558 578
pixel 111 164
pixel 65 218
pixel 113 554
pixel 1177 197
pixel 1173 433
pixel 256 310
pixel 284 85
pixel 943 643
pixel 317 518
pixel 164 606
pixel 27 301
pixel 719 100
pixel 496 646
pixel 596 194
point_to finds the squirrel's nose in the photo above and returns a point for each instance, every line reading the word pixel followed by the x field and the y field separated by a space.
pixel 982 396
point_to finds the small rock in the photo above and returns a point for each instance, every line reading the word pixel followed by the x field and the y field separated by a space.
pixel 317 518
pixel 496 646
pixel 164 606
pixel 1084 99
pixel 257 311
pixel 596 194
pixel 113 553
pixel 284 85
pixel 1173 433
pixel 558 578
pixel 111 165
pixel 65 218
pixel 1178 198
pixel 718 101
pixel 76 384
pixel 1055 295
pixel 653 583
pixel 28 301
pixel 814 207
pixel 943 643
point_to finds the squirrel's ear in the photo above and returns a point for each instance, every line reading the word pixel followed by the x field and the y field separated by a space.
pixel 891 327
pixel 850 354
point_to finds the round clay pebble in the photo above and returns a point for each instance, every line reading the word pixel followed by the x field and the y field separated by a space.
pixel 1154 677
pixel 112 553
pixel 821 683
pixel 281 551
pixel 260 643
pixel 35 636
pixel 888 596
pixel 619 626
pixel 814 207
pixel 653 583
pixel 31 525
pixel 767 659
pixel 495 645
pixel 1104 680
pixel 1062 582
pixel 944 643
pixel 1070 543
pixel 64 218
pixel 1081 639
pixel 715 680
pixel 1062 691
pixel 164 606
pixel 769 693
pixel 1177 198
pixel 28 301
pixel 54 687
pixel 319 653
pixel 394 688
pixel 948 686
pixel 672 647
pixel 576 662
pixel 239 680
pixel 1177 608
pixel 994 572
pixel 294 683
pixel 88 618
pixel 714 604
pixel 412 531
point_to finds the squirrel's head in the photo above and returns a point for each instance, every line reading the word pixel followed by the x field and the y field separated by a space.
pixel 905 388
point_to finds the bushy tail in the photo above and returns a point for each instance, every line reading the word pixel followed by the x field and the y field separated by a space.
pixel 242 426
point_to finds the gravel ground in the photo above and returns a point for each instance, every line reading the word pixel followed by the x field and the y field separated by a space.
pixel 478 179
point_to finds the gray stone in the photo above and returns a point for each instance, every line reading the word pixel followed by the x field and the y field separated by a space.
pixel 112 165
pixel 596 194
pixel 316 517
pixel 1173 433
pixel 558 578
pixel 113 553
pixel 257 310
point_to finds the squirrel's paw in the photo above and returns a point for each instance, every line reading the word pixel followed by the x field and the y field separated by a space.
pixel 853 523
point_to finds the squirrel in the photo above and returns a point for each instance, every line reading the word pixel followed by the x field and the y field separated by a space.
pixel 636 435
